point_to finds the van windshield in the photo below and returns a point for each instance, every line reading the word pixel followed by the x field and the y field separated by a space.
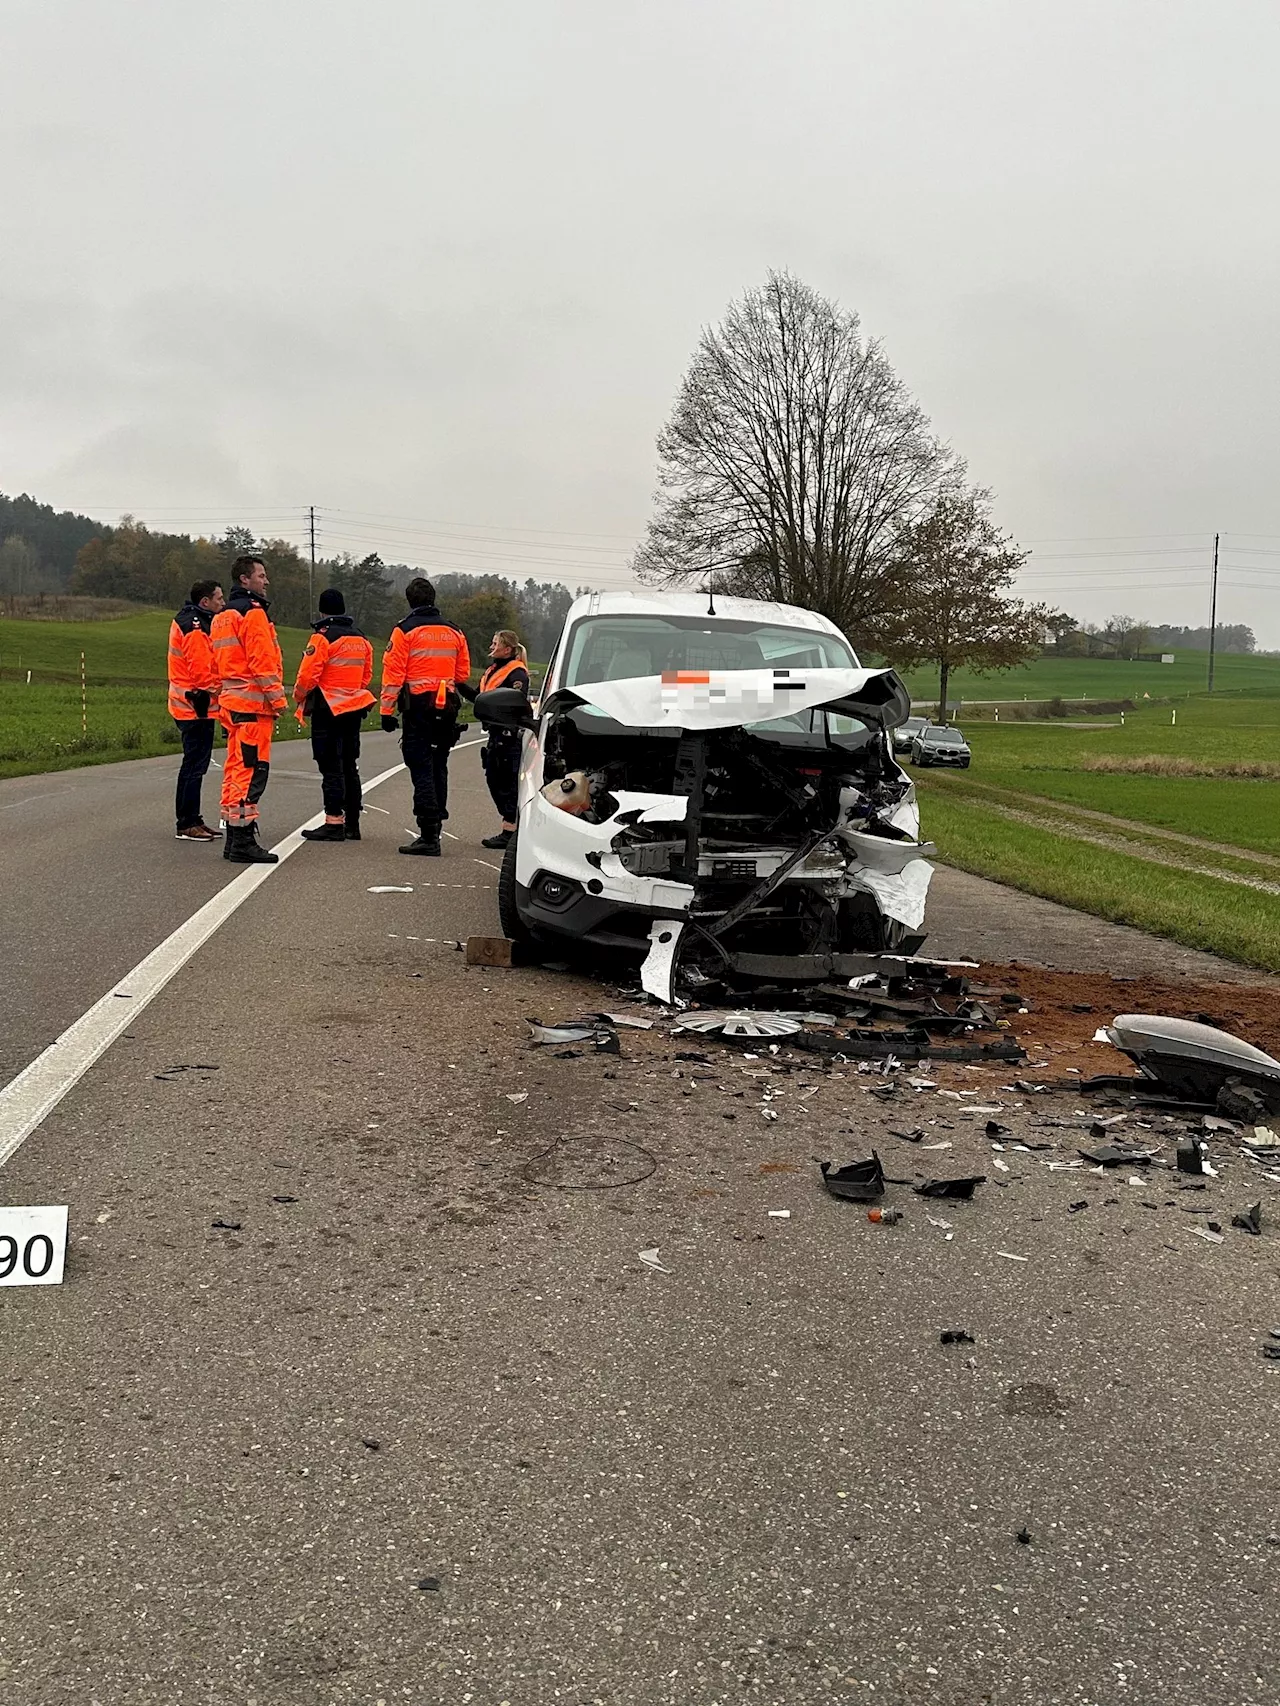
pixel 615 648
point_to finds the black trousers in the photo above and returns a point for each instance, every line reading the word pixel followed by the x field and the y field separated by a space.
pixel 335 746
pixel 197 749
pixel 427 739
pixel 501 760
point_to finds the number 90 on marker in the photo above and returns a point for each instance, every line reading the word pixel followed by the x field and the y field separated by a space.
pixel 33 1245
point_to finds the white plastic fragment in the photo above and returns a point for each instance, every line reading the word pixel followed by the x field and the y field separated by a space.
pixel 779 1214
pixel 1010 1257
pixel 1002 1165
pixel 650 1260
pixel 946 1145
pixel 1209 1237
pixel 392 888
pixel 934 1220
pixel 517 1095
pixel 1101 1036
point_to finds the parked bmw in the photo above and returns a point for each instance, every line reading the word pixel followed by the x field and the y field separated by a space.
pixel 937 745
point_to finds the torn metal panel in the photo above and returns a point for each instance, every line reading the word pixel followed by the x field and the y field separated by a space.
pixel 657 975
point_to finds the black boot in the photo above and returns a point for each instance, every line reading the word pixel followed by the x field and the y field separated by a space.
pixel 244 848
pixel 499 841
pixel 352 829
pixel 427 841
pixel 325 832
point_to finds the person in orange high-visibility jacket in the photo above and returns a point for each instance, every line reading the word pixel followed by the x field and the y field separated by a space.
pixel 193 702
pixel 500 755
pixel 333 690
pixel 252 696
pixel 425 662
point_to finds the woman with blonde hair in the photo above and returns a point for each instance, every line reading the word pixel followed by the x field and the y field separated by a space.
pixel 501 754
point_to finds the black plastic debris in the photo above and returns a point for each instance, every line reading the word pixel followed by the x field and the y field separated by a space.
pixel 955 1336
pixel 957 1190
pixel 1023 1536
pixel 284 1199
pixel 995 1129
pixel 225 1225
pixel 1117 1155
pixel 606 1042
pixel 371 1444
pixel 690 1055
pixel 1250 1220
pixel 1240 1101
pixel 1075 1207
pixel 857 1181
pixel 1191 1158
pixel 428 1584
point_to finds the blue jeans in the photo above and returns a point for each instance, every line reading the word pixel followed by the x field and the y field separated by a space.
pixel 197 749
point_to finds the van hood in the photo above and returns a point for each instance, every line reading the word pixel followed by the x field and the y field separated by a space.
pixel 733 698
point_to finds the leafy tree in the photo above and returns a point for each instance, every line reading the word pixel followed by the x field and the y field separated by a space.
pixel 366 586
pixel 479 617
pixel 21 570
pixel 54 536
pixel 793 461
pixel 956 573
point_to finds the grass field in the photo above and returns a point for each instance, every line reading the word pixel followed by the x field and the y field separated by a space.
pixel 1100 678
pixel 40 723
pixel 1192 857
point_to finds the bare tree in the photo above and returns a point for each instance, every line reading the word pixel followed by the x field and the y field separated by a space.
pixel 1125 635
pixel 792 462
pixel 956 610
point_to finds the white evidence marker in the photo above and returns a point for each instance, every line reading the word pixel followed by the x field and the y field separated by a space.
pixel 33 1245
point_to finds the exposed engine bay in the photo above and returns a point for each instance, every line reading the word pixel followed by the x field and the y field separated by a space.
pixel 795 836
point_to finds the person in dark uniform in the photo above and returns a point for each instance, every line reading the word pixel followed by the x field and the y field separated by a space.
pixel 501 753
pixel 424 669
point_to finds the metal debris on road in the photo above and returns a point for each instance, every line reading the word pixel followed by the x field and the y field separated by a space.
pixel 740 1024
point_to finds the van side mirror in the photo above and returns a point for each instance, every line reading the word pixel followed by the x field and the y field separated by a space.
pixel 504 708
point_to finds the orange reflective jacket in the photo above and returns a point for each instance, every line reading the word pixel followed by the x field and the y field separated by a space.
pixel 191 665
pixel 424 655
pixel 498 673
pixel 337 664
pixel 247 654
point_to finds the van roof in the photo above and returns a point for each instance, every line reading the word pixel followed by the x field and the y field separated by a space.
pixel 695 604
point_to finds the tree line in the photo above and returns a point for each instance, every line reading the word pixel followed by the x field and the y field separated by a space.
pixel 44 551
pixel 1131 637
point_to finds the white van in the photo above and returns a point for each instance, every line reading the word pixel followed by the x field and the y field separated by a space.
pixel 714 779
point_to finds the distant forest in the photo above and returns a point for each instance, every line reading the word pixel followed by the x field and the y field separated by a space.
pixel 45 551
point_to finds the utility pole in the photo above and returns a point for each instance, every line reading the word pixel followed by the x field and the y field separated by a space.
pixel 311 579
pixel 1213 611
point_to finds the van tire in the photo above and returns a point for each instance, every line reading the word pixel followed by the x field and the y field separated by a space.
pixel 513 926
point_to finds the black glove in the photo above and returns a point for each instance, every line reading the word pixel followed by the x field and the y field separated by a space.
pixel 389 724
pixel 198 700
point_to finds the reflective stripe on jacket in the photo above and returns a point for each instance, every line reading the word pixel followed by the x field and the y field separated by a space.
pixel 247 654
pixel 424 655
pixel 191 665
pixel 499 673
pixel 337 664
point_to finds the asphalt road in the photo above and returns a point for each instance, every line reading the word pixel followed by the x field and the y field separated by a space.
pixel 418 1427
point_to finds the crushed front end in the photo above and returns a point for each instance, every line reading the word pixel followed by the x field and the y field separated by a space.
pixel 756 839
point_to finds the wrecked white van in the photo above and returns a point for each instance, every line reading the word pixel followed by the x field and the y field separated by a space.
pixel 713 781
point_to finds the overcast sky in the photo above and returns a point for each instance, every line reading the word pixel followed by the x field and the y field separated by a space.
pixel 438 268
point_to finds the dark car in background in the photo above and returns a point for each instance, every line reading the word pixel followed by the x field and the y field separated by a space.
pixel 905 733
pixel 937 745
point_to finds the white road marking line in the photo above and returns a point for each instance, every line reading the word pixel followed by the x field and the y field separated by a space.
pixel 30 1097
pixel 31 799
pixel 447 835
pixel 381 809
pixel 488 864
